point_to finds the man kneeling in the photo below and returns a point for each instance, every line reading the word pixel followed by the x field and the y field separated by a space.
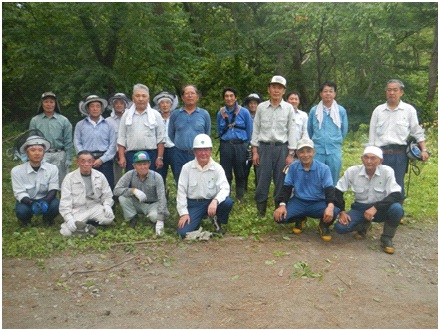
pixel 313 192
pixel 377 196
pixel 142 191
pixel 86 199
pixel 203 190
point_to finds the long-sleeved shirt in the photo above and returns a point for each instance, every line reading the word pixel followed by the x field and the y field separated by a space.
pixel 74 197
pixel 394 126
pixel 240 125
pixel 26 182
pixel 139 135
pixel 329 138
pixel 98 136
pixel 57 130
pixel 152 186
pixel 195 182
pixel 274 124
pixel 301 125
pixel 184 127
pixel 366 190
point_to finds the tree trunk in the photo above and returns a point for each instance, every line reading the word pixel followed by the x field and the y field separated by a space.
pixel 432 71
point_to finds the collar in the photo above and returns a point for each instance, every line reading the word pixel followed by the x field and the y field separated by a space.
pixel 363 171
pixel 399 107
pixel 197 109
pixel 29 168
pixel 93 122
pixel 209 165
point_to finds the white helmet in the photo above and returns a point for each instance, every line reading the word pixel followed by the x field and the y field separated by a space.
pixel 202 141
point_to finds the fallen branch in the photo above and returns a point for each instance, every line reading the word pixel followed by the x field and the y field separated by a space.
pixel 99 270
pixel 348 285
pixel 138 242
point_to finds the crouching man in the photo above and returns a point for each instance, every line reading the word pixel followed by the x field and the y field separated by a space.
pixel 314 194
pixel 141 190
pixel 377 197
pixel 86 198
pixel 203 190
pixel 35 184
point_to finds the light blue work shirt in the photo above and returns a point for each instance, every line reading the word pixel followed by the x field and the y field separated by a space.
pixel 242 125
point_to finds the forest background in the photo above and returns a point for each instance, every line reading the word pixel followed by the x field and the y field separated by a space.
pixel 78 49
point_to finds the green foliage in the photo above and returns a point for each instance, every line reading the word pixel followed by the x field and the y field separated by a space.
pixel 303 270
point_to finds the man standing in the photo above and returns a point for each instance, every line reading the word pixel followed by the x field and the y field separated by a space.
pixel 377 197
pixel 390 126
pixel 166 103
pixel 314 194
pixel 273 142
pixel 202 190
pixel 142 191
pixel 118 103
pixel 35 184
pixel 141 129
pixel 327 127
pixel 184 124
pixel 234 127
pixel 86 198
pixel 94 134
pixel 57 129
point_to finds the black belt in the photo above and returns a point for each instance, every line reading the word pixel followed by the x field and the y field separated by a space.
pixel 189 152
pixel 393 149
pixel 278 143
pixel 97 154
pixel 55 150
pixel 234 141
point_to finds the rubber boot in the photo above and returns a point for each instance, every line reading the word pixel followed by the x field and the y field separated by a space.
pixel 240 194
pixel 262 208
pixel 325 232
pixel 133 221
pixel 386 238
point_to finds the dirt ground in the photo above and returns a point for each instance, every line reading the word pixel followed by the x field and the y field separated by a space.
pixel 232 282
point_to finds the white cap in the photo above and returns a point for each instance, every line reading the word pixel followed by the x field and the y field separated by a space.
pixel 202 141
pixel 305 143
pixel 278 80
pixel 373 150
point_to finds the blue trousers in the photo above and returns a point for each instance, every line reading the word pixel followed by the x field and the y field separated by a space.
pixel 107 170
pixel 24 212
pixel 198 210
pixel 393 214
pixel 334 163
pixel 399 163
pixel 299 208
pixel 130 154
pixel 180 158
pixel 168 160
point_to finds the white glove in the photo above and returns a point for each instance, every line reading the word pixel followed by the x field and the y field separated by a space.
pixel 159 227
pixel 140 195
pixel 108 211
pixel 70 223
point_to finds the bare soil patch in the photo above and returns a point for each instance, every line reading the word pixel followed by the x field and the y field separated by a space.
pixel 232 282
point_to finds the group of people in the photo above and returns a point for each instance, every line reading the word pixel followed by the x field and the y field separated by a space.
pixel 125 158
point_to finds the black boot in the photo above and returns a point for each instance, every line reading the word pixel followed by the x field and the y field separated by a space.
pixel 133 221
pixel 217 226
pixel 240 194
pixel 386 238
pixel 262 208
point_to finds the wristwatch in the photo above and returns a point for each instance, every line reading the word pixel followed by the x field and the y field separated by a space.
pixel 160 157
pixel 282 204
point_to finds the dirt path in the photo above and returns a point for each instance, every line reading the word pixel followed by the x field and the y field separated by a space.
pixel 232 283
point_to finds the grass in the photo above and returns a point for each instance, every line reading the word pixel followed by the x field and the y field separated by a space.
pixel 40 241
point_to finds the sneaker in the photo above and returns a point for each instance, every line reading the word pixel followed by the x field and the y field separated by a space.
pixel 362 230
pixel 387 245
pixel 217 226
pixel 325 233
pixel 84 229
pixel 298 227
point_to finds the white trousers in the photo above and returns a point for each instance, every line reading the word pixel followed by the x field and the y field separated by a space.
pixel 94 213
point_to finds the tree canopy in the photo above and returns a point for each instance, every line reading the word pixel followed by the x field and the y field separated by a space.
pixel 77 49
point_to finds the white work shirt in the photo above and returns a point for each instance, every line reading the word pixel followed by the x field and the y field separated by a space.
pixel 274 124
pixel 195 182
pixel 73 193
pixel 301 125
pixel 369 191
pixel 139 136
pixel 394 126
pixel 35 185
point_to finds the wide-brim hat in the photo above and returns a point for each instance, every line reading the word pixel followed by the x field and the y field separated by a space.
pixel 278 80
pixel 252 97
pixel 46 95
pixel 119 96
pixel 305 143
pixel 35 140
pixel 83 105
pixel 165 95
